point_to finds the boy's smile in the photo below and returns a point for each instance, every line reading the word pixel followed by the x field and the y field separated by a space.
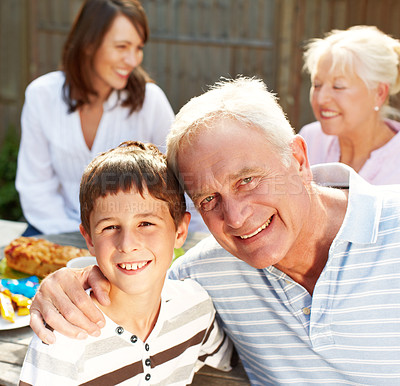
pixel 133 239
pixel 133 266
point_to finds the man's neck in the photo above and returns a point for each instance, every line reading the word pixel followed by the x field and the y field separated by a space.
pixel 305 262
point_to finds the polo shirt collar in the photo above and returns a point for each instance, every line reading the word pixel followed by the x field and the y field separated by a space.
pixel 364 207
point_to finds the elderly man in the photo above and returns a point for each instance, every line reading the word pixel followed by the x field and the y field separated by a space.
pixel 303 266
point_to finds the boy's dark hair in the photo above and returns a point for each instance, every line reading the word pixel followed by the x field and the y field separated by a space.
pixel 131 165
pixel 87 33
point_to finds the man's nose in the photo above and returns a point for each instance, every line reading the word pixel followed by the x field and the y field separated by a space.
pixel 236 211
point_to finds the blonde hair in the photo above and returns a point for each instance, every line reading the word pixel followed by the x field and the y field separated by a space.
pixel 246 100
pixel 363 50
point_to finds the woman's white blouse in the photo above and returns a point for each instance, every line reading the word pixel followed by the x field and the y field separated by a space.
pixel 53 153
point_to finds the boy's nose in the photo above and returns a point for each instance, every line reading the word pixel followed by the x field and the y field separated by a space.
pixel 128 242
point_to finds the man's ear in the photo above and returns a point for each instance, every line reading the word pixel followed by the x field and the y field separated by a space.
pixel 299 152
pixel 182 230
pixel 88 239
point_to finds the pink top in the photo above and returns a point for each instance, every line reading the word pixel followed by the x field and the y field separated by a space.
pixel 381 168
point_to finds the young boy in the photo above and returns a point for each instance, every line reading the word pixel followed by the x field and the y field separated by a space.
pixel 157 331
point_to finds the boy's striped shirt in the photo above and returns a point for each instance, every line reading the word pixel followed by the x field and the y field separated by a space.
pixel 184 338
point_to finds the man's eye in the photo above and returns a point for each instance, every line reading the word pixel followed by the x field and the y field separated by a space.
pixel 208 203
pixel 246 180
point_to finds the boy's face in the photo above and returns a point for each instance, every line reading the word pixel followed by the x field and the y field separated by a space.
pixel 133 239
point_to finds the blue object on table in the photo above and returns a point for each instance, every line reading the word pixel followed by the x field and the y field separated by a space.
pixel 31 231
pixel 26 287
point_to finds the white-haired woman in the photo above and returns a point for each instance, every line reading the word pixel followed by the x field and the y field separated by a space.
pixel 354 74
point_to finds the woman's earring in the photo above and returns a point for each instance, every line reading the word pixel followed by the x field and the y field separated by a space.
pixel 376 108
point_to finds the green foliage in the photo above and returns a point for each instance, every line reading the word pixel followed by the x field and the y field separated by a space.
pixel 10 208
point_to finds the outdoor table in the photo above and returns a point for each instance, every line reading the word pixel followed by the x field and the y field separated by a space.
pixel 14 342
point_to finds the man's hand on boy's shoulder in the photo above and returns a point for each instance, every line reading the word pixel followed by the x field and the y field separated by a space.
pixel 63 304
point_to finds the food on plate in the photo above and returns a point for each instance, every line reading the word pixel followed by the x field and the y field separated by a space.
pixel 6 307
pixel 39 256
pixel 12 304
pixel 23 311
pixel 20 300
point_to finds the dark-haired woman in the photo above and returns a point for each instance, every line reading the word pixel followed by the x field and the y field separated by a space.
pixel 101 98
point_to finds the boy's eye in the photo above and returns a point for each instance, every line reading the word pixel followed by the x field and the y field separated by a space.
pixel 110 227
pixel 145 224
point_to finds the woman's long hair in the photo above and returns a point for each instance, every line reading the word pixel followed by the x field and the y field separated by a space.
pixel 87 33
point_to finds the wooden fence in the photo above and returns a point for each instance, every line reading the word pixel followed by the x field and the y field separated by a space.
pixel 193 43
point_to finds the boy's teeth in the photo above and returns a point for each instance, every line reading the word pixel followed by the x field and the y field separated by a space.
pixel 262 227
pixel 133 266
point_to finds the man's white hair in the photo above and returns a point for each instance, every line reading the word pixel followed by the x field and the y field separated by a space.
pixel 245 100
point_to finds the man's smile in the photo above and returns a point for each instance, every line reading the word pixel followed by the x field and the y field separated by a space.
pixel 258 230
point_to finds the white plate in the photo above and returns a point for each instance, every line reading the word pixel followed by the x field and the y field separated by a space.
pixel 20 321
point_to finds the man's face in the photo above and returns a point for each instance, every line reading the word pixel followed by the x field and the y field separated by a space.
pixel 254 205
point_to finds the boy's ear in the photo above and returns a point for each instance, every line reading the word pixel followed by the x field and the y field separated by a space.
pixel 182 230
pixel 87 238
